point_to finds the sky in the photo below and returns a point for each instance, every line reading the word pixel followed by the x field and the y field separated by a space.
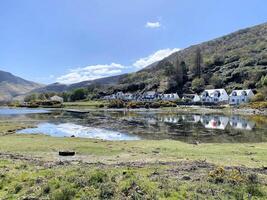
pixel 69 41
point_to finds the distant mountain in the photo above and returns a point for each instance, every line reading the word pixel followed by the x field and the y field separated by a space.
pixel 58 87
pixel 12 86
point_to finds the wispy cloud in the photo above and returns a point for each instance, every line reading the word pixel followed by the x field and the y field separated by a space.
pixel 153 25
pixel 157 56
pixel 100 71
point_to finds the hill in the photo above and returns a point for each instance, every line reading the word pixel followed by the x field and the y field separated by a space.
pixel 237 60
pixel 12 86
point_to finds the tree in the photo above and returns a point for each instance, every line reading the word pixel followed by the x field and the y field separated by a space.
pixel 198 84
pixel 216 81
pixel 78 94
pixel 198 63
pixel 31 98
pixel 184 70
pixel 42 97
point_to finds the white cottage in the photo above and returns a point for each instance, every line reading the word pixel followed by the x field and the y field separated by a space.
pixel 240 96
pixel 215 96
pixel 57 98
pixel 170 97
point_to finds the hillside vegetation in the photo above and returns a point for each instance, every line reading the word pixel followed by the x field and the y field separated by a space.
pixel 237 60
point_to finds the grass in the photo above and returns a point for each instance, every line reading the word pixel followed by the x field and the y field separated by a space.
pixel 250 155
pixel 20 179
pixel 151 169
pixel 85 104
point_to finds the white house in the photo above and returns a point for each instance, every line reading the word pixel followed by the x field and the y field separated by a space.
pixel 57 98
pixel 215 96
pixel 170 97
pixel 151 95
pixel 191 97
pixel 240 96
pixel 128 96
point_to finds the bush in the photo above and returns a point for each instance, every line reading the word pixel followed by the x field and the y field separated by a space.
pixel 107 191
pixel 116 104
pixel 155 105
pixel 258 97
pixel 216 81
pixel 198 84
pixel 65 193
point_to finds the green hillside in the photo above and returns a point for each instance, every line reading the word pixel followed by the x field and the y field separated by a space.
pixel 237 60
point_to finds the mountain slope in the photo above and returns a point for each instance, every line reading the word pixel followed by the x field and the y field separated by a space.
pixel 238 60
pixel 58 87
pixel 11 86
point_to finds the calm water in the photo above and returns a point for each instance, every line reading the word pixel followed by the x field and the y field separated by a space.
pixel 21 111
pixel 141 125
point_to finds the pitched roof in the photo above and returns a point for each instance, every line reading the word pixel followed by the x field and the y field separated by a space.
pixel 239 92
pixel 211 92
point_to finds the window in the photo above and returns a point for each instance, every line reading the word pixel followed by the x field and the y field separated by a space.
pixel 233 100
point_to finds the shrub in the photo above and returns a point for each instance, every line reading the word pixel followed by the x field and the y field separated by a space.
pixel 116 104
pixel 155 105
pixel 198 84
pixel 258 97
pixel 107 191
pixel 65 193
pixel 216 81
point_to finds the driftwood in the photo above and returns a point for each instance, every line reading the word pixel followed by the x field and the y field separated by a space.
pixel 66 153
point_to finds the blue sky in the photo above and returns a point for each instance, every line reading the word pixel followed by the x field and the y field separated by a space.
pixel 70 41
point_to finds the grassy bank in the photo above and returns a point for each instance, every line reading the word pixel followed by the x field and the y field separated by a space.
pixel 31 168
pixel 85 104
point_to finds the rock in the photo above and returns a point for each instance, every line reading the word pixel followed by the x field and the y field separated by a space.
pixel 73 136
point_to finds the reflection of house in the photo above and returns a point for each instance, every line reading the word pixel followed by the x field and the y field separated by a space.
pixel 191 98
pixel 191 118
pixel 57 98
pixel 215 122
pixel 238 123
pixel 215 96
pixel 240 96
pixel 170 97
pixel 170 119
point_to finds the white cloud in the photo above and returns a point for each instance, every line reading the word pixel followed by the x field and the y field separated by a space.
pixel 153 25
pixel 90 73
pixel 157 56
pixel 100 71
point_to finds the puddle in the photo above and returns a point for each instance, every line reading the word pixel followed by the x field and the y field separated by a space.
pixel 69 130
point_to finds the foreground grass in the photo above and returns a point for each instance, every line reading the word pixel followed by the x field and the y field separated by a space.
pixel 20 180
pixel 250 155
pixel 30 168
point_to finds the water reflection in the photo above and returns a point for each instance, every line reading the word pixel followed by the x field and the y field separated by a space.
pixel 158 125
pixel 212 121
pixel 73 130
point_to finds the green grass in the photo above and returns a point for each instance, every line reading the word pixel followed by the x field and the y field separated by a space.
pixel 20 179
pixel 250 155
pixel 148 169
pixel 85 104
